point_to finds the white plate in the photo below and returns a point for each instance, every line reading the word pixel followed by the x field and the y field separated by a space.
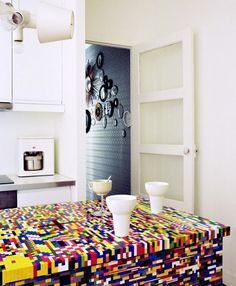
pixel 126 118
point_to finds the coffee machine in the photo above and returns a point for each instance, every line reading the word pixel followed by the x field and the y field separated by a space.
pixel 36 156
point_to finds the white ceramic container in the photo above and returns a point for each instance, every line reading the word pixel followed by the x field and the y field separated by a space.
pixel 121 207
pixel 156 192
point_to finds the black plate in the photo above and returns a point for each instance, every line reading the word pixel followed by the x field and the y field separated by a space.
pixel 116 102
pixel 88 121
pixel 100 60
pixel 109 83
pixel 103 93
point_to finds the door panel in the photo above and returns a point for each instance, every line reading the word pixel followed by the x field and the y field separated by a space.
pixel 164 168
pixel 161 122
pixel 163 146
pixel 161 68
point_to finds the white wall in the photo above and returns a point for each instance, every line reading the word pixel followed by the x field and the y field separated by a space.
pixel 71 127
pixel 65 127
pixel 213 23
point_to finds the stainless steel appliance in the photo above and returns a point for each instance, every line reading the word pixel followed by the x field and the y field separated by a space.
pixel 36 156
pixel 5 180
pixel 5 105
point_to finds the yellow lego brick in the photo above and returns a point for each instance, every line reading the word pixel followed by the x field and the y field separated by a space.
pixel 43 248
pixel 17 267
pixel 100 260
pixel 43 270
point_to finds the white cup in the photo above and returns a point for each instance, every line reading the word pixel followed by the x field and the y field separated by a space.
pixel 156 192
pixel 121 207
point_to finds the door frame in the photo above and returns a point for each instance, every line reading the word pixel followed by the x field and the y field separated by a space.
pixel 82 158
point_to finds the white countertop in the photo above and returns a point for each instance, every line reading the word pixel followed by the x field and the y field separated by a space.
pixel 39 182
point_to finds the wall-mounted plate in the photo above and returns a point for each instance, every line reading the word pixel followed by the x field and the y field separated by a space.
pixel 100 74
pixel 114 90
pixel 126 118
pixel 116 102
pixel 103 93
pixel 115 122
pixel 88 121
pixel 98 111
pixel 100 60
pixel 109 108
pixel 104 122
pixel 120 110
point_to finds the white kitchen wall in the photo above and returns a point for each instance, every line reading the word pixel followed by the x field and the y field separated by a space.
pixel 213 23
pixel 71 127
pixel 66 127
pixel 17 124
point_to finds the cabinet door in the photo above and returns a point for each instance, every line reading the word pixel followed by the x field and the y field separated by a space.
pixel 8 199
pixel 37 68
pixel 34 197
pixel 5 67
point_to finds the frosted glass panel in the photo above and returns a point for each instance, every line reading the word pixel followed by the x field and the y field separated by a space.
pixel 162 122
pixel 161 68
pixel 163 168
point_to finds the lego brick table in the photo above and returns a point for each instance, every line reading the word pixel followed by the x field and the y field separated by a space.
pixel 64 244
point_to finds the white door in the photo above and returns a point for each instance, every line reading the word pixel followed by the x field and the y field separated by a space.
pixel 162 106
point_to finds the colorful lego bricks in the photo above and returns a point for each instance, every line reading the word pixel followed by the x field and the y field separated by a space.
pixel 64 244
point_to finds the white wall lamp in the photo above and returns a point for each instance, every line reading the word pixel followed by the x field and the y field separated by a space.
pixel 51 22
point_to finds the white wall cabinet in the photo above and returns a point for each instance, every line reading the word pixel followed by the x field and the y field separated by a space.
pixel 5 67
pixel 34 197
pixel 37 69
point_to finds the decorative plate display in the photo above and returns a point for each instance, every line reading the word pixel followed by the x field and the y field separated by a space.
pixel 101 97
pixel 120 110
pixel 103 93
pixel 88 121
pixel 98 111
pixel 114 90
pixel 109 108
pixel 126 118
pixel 100 60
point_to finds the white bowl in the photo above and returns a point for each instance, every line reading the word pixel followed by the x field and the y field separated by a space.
pixel 121 204
pixel 156 188
pixel 101 187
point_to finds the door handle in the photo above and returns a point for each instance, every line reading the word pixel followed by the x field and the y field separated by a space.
pixel 186 150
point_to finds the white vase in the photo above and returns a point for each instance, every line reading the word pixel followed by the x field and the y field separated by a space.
pixel 156 192
pixel 121 207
